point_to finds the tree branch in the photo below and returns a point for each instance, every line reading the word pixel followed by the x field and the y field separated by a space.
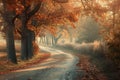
pixel 16 16
pixel 83 4
pixel 59 37
pixel 19 31
pixel 1 12
pixel 34 10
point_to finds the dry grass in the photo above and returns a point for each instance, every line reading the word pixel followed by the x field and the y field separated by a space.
pixel 96 52
pixel 6 66
pixel 91 71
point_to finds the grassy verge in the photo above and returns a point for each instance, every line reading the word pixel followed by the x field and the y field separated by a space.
pixel 6 66
pixel 91 71
pixel 93 60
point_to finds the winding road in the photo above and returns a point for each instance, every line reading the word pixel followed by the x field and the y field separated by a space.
pixel 60 66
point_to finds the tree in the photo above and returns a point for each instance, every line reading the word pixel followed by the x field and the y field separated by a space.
pixel 53 14
pixel 107 14
pixel 41 12
pixel 27 36
pixel 88 30
pixel 9 17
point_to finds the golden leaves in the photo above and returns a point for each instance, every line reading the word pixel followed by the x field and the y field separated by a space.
pixel 19 5
pixel 73 17
pixel 19 8
pixel 52 29
pixel 61 1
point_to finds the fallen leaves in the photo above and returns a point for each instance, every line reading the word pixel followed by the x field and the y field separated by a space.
pixel 7 66
pixel 91 71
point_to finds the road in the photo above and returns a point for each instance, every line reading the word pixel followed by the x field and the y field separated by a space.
pixel 60 66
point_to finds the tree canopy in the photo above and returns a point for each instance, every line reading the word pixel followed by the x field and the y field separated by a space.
pixel 38 16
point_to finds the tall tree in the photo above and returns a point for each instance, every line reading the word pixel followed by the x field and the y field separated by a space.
pixel 9 18
pixel 27 36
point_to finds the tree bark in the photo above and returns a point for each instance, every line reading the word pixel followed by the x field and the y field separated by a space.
pixel 9 18
pixel 24 35
pixel 31 38
pixel 24 51
pixel 27 45
pixel 10 44
pixel 27 37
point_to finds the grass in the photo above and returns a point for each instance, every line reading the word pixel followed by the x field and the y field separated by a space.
pixel 91 71
pixel 6 66
pixel 97 56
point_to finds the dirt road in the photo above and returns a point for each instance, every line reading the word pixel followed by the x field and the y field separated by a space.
pixel 60 66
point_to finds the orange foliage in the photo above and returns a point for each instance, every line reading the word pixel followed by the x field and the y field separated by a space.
pixel 50 14
pixel 61 1
pixel 107 13
pixel 52 29
pixel 36 48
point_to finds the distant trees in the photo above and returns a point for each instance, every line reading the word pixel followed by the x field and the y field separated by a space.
pixel 88 30
pixel 107 14
pixel 52 36
pixel 26 18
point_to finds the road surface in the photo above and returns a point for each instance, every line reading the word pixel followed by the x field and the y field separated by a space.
pixel 60 66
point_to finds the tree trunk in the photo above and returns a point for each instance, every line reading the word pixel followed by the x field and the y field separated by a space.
pixel 56 40
pixel 31 38
pixel 53 40
pixel 26 36
pixel 10 44
pixel 24 51
pixel 27 45
pixel 47 42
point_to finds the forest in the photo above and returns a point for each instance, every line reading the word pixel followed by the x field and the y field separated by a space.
pixel 88 29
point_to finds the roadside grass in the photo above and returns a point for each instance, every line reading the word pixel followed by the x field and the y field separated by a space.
pixel 91 71
pixel 97 56
pixel 6 66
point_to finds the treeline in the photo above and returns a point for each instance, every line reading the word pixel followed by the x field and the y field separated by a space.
pixel 107 14
pixel 25 20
